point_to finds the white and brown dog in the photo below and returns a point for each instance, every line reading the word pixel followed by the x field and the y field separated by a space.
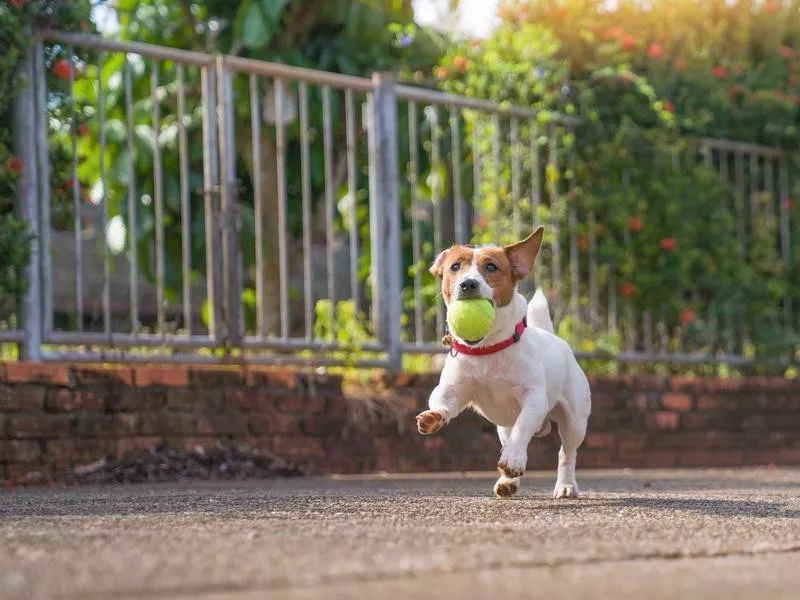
pixel 520 376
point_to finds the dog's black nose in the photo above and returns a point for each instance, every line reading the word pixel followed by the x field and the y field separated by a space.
pixel 469 285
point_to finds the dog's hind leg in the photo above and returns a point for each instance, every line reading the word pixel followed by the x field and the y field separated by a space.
pixel 505 486
pixel 572 431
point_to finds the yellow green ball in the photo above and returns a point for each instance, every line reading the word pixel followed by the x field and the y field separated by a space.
pixel 470 320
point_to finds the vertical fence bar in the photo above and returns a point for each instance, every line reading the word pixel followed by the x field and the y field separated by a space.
pixel 352 188
pixel 432 113
pixel 133 237
pixel 574 258
pixel 101 113
pixel 630 335
pixel 385 214
pixel 496 174
pixel 305 173
pixel 258 201
pixel 476 160
pixel 229 193
pixel 552 183
pixel 158 176
pixel 211 191
pixel 458 200
pixel 27 191
pixel 416 241
pixel 43 155
pixel 327 140
pixel 786 248
pixel 769 184
pixel 76 194
pixel 515 192
pixel 186 208
pixel 594 292
pixel 283 206
pixel 740 214
pixel 536 187
pixel 754 190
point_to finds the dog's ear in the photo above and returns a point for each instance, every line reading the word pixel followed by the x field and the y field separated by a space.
pixel 523 254
pixel 437 268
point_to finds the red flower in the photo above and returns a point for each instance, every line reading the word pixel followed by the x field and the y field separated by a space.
pixel 61 69
pixel 615 32
pixel 720 72
pixel 687 316
pixel 15 164
pixel 635 224
pixel 83 130
pixel 792 99
pixel 583 242
pixel 461 63
pixel 475 43
pixel 772 6
pixel 655 50
pixel 441 72
pixel 482 222
pixel 627 289
pixel 790 204
pixel 669 106
pixel 629 43
pixel 18 3
pixel 787 51
pixel 668 243
pixel 681 64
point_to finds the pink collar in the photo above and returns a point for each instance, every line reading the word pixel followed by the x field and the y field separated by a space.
pixel 459 348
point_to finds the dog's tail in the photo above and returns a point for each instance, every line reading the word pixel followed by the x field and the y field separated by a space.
pixel 539 312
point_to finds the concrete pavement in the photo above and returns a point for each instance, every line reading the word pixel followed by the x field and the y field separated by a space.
pixel 636 534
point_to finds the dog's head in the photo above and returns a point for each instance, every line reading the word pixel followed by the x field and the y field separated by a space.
pixel 490 272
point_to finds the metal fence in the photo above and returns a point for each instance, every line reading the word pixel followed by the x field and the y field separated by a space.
pixel 244 210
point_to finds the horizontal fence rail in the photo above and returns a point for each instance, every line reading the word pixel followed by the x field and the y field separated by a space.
pixel 217 208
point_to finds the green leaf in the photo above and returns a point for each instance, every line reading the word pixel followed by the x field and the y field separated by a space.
pixel 273 9
pixel 256 30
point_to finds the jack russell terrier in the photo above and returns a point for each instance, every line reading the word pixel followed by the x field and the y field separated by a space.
pixel 521 376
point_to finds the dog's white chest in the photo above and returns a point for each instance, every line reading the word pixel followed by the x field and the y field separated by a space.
pixel 497 400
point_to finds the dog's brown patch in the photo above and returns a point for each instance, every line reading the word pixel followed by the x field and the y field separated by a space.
pixel 523 254
pixel 506 489
pixel 510 473
pixel 429 422
pixel 501 277
pixel 443 267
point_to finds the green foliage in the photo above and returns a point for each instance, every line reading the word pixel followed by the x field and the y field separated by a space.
pixel 345 325
pixel 15 254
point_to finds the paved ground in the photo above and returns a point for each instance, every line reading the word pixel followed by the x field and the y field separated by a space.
pixel 658 534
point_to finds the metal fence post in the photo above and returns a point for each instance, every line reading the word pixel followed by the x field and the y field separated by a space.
pixel 386 257
pixel 27 205
pixel 231 225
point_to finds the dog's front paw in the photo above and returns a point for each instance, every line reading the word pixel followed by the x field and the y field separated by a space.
pixel 429 422
pixel 565 490
pixel 512 462
pixel 505 487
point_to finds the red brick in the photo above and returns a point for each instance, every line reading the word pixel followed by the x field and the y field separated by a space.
pixel 604 401
pixel 23 372
pixel 72 452
pixel 675 401
pixel 220 376
pixel 630 441
pixel 168 423
pixel 787 456
pixel 588 459
pixel 25 451
pixel 754 422
pixel 22 398
pixel 600 440
pixel 123 445
pixel 695 458
pixel 716 403
pixel 709 420
pixel 177 398
pixel 153 375
pixel 220 424
pixel 662 420
pixel 41 426
pixel 21 473
pixel 727 458
pixel 273 378
pixel 293 403
pixel 190 443
pixel 274 423
pixel 133 399
pixel 298 447
pixel 106 425
pixel 660 459
pixel 64 400
pixel 110 375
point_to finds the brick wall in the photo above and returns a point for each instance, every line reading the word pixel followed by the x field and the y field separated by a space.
pixel 54 417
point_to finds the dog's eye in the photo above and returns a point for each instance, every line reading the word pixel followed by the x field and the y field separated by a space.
pixel 455 267
pixel 491 267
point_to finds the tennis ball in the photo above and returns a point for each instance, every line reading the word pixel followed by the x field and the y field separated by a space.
pixel 471 320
